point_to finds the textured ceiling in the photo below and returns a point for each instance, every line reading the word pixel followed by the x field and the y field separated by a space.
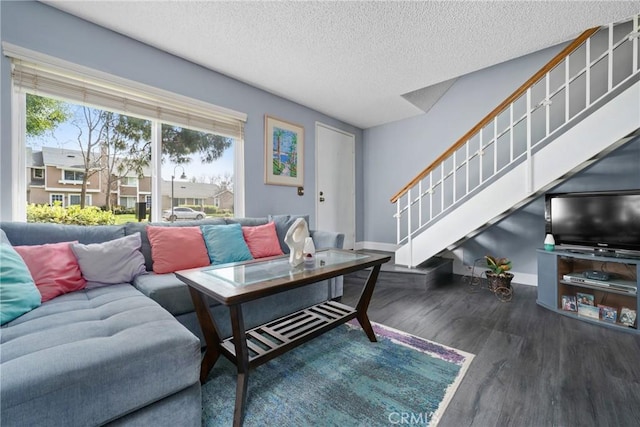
pixel 350 60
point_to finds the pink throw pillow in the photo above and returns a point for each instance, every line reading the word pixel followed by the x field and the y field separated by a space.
pixel 53 267
pixel 176 248
pixel 262 240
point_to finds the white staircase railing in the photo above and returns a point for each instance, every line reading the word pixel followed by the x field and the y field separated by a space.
pixel 605 60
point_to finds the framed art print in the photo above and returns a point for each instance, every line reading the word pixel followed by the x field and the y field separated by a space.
pixel 283 152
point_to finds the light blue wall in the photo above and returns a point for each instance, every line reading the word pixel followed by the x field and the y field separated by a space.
pixel 520 234
pixel 397 152
pixel 44 29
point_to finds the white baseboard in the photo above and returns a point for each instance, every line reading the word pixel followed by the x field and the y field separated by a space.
pixel 519 278
pixel 463 270
pixel 376 246
pixel 525 278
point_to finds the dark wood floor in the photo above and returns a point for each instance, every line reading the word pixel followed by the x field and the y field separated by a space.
pixel 532 367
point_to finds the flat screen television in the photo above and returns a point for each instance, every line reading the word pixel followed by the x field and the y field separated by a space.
pixel 607 222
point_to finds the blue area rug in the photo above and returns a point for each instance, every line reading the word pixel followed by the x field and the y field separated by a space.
pixel 342 379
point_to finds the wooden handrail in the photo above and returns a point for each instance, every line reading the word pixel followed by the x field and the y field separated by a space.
pixel 504 104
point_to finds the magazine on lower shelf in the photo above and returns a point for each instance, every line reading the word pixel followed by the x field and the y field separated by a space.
pixel 608 314
pixel 586 306
pixel 569 303
pixel 627 316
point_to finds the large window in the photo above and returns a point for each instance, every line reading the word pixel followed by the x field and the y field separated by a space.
pixel 95 149
pixel 101 130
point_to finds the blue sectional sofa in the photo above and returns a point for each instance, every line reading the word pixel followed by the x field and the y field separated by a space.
pixel 120 354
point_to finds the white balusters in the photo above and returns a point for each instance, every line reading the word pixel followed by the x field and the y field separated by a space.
pixel 588 73
pixel 567 80
pixel 610 60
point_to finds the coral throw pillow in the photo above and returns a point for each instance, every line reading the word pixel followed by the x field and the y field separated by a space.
pixel 176 248
pixel 53 267
pixel 262 240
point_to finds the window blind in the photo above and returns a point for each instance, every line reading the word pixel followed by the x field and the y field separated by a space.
pixel 43 75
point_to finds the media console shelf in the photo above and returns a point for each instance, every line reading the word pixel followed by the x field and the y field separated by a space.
pixel 560 274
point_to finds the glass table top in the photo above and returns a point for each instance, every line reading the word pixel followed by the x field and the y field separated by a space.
pixel 243 275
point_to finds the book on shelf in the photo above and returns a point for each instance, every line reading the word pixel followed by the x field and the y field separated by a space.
pixel 585 299
pixel 569 303
pixel 627 316
pixel 608 314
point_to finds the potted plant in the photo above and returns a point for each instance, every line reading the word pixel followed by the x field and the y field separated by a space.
pixel 498 274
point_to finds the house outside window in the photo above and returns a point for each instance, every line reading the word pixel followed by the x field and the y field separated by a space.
pixel 37 173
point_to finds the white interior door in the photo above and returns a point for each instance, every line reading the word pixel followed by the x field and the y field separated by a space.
pixel 336 182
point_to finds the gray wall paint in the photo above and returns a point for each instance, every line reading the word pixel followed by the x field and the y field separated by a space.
pixel 44 29
pixel 520 234
pixel 396 152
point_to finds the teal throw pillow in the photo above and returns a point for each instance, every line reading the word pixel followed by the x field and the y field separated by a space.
pixel 18 291
pixel 3 237
pixel 225 243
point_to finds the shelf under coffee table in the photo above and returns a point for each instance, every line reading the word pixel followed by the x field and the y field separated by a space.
pixel 279 336
pixel 235 284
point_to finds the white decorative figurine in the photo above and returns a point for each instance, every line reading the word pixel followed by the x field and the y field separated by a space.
pixel 295 239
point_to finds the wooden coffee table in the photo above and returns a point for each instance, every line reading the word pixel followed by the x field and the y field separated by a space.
pixel 235 284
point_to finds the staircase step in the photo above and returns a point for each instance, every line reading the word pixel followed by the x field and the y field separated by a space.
pixel 432 272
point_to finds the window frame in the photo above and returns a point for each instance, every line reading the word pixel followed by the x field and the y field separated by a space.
pixel 75 179
pixel 138 92
pixel 135 200
pixel 87 202
pixel 127 184
pixel 53 195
